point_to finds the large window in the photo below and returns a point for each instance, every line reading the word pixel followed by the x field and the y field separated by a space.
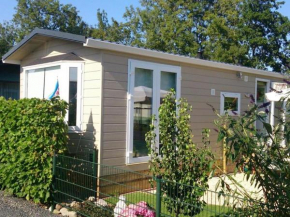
pixel 59 79
pixel 149 83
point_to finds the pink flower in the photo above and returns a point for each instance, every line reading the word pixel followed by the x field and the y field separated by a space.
pixel 140 209
pixel 128 212
pixel 150 213
pixel 142 204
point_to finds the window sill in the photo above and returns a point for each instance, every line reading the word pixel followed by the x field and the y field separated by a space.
pixel 75 130
pixel 138 160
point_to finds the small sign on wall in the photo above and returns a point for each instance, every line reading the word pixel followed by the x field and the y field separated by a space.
pixel 212 92
pixel 279 86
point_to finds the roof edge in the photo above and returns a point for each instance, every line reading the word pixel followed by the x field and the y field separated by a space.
pixel 105 45
pixel 45 32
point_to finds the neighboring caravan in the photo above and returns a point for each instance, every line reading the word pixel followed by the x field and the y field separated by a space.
pixel 9 80
pixel 114 89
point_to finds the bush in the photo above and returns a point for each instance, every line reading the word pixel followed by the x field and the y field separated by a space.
pixel 31 130
pixel 262 153
pixel 90 209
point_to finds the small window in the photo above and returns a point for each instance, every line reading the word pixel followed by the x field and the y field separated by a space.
pixel 230 103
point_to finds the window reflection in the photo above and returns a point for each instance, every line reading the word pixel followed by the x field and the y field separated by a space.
pixel 143 94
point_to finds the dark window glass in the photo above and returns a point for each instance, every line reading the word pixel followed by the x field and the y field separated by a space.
pixel 261 90
pixel 73 89
pixel 9 90
pixel 231 103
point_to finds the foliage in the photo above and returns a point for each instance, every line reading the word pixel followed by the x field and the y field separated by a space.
pixel 47 14
pixel 31 130
pixel 90 209
pixel 115 32
pixel 248 32
pixel 7 36
pixel 262 153
pixel 185 166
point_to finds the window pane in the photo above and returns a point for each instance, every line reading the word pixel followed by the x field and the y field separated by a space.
pixel 261 90
pixel 168 81
pixel 73 89
pixel 9 90
pixel 35 83
pixel 52 74
pixel 143 94
pixel 231 103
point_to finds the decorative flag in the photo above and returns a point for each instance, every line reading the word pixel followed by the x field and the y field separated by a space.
pixel 55 92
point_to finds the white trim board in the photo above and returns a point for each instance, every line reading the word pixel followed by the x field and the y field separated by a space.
pixel 268 90
pixel 104 45
pixel 232 95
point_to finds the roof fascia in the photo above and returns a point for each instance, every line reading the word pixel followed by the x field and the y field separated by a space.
pixel 104 45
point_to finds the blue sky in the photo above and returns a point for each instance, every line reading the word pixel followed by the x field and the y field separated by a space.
pixel 88 8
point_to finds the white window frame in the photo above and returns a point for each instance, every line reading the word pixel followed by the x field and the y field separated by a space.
pixel 233 95
pixel 256 90
pixel 64 66
pixel 156 68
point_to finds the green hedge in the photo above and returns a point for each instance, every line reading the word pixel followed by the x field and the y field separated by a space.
pixel 31 130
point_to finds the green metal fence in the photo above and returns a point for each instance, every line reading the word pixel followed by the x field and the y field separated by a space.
pixel 74 180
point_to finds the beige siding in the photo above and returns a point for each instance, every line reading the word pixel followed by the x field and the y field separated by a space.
pixel 105 83
pixel 196 86
pixel 92 85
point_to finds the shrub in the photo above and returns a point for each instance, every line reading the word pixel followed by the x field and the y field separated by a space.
pixel 31 130
pixel 185 166
pixel 90 209
pixel 262 153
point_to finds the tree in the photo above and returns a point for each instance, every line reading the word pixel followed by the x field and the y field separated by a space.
pixel 115 32
pixel 250 33
pixel 47 14
pixel 7 37
pixel 184 167
pixel 170 25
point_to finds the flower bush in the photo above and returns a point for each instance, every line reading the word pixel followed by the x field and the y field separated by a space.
pixel 138 210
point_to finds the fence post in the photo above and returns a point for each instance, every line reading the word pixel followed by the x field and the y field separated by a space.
pixel 158 196
pixel 95 172
pixel 53 182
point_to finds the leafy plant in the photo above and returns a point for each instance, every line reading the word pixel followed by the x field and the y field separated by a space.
pixel 179 161
pixel 89 209
pixel 31 130
pixel 264 154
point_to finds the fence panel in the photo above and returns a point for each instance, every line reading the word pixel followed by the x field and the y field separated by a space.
pixel 120 192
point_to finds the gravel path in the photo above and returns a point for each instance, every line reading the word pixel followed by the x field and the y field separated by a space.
pixel 17 207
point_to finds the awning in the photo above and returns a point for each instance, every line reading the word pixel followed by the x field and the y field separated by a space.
pixel 277 96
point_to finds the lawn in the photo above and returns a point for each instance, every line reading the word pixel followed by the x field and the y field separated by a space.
pixel 132 198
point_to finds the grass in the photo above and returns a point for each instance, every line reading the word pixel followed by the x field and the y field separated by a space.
pixel 132 198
